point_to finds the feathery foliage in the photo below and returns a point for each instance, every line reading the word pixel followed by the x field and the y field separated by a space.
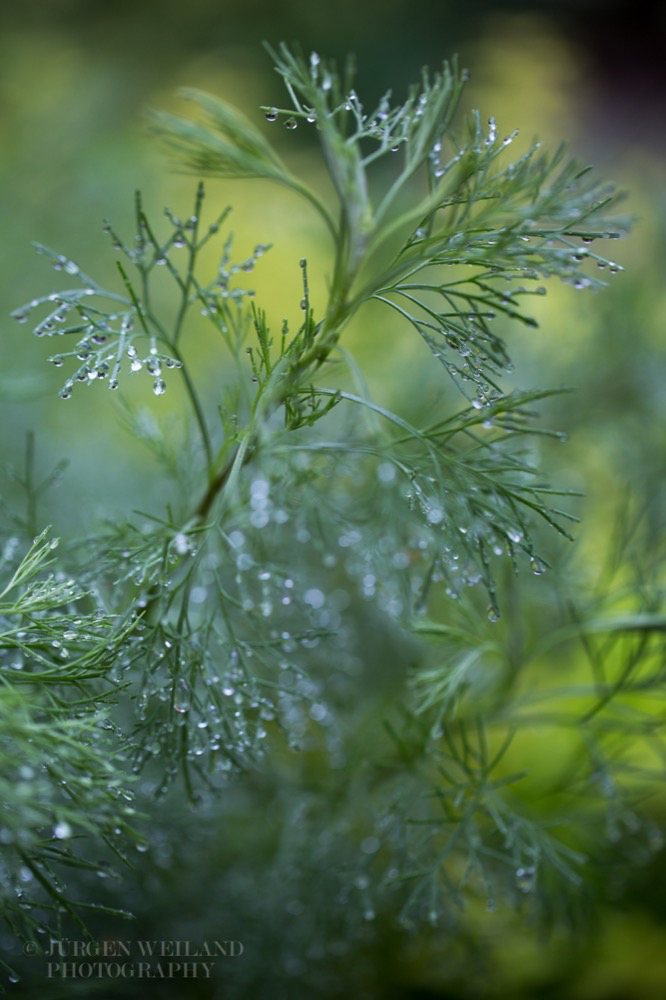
pixel 321 591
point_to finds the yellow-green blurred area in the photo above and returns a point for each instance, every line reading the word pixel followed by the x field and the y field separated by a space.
pixel 75 81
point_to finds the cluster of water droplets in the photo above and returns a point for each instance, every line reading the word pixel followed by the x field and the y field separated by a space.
pixel 259 672
pixel 471 353
pixel 550 249
pixel 291 119
pixel 214 297
pixel 110 329
pixel 391 127
pixel 465 344
pixel 106 337
pixel 428 534
pixel 59 758
pixel 228 697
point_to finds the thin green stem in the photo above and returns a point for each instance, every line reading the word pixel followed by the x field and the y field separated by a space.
pixel 198 410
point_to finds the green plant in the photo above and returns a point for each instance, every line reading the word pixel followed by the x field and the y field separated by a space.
pixel 315 608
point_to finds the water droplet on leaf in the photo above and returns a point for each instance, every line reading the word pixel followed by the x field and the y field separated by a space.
pixel 537 567
pixel 525 879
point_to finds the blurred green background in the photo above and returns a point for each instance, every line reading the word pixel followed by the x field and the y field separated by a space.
pixel 75 79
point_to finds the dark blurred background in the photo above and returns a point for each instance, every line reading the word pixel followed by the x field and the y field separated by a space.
pixel 75 79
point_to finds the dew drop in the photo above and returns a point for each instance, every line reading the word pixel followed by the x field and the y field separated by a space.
pixel 159 388
pixel 525 879
pixel 291 124
pixel 318 712
pixel 386 472
pixel 493 613
pixel 314 598
pixel 62 830
pixel 435 515
pixel 271 115
pixel 537 566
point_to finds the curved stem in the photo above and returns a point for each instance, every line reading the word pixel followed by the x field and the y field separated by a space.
pixel 308 193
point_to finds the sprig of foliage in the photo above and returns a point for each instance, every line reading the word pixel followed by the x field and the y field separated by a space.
pixel 323 520
pixel 448 261
pixel 62 782
pixel 481 698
